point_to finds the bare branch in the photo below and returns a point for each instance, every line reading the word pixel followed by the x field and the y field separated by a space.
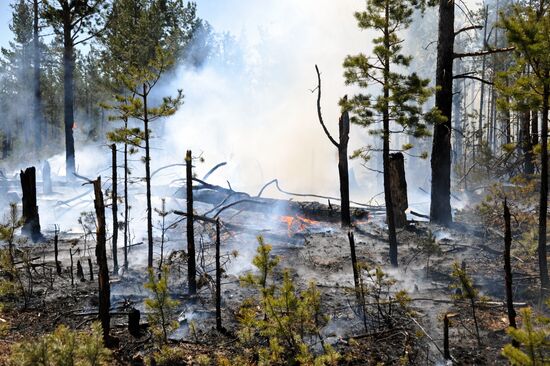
pixel 319 114
pixel 483 53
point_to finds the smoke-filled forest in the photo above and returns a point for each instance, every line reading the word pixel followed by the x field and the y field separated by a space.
pixel 240 182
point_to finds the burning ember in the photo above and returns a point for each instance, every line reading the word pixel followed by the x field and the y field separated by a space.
pixel 297 223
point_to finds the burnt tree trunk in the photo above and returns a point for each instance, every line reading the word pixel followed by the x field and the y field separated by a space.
pixel 56 250
pixel 508 266
pixel 343 168
pixel 446 353
pixel 126 204
pixel 398 185
pixel 72 265
pixel 101 256
pixel 191 265
pixel 31 226
pixel 91 267
pixel 543 204
pixel 390 217
pixel 355 268
pixel 342 146
pixel 219 326
pixel 68 89
pixel 133 322
pixel 79 271
pixel 114 207
pixel 440 206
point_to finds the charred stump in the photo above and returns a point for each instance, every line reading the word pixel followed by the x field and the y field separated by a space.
pixel 31 227
pixel 72 265
pixel 398 185
pixel 79 271
pixel 446 352
pixel 191 264
pixel 101 256
pixel 133 322
pixel 56 250
pixel 114 207
pixel 91 267
pixel 46 178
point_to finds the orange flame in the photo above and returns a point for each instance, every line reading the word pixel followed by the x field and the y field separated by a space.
pixel 296 224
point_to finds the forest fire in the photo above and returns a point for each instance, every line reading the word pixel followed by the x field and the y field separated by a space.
pixel 297 224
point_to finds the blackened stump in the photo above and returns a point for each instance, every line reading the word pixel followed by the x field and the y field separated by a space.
pixel 31 227
pixel 133 322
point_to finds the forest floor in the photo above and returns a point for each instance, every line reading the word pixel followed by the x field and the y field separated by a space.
pixel 313 251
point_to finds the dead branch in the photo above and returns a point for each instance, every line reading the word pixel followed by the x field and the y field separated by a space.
pixel 213 170
pixel 319 114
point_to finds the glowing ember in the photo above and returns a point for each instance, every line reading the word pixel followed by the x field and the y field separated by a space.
pixel 297 223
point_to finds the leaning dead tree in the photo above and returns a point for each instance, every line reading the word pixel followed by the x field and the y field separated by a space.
pixel 31 227
pixel 101 256
pixel 342 146
pixel 191 265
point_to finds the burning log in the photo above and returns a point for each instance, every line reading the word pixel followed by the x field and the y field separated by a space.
pixel 46 178
pixel 101 255
pixel 114 207
pixel 191 265
pixel 133 322
pixel 398 189
pixel 31 226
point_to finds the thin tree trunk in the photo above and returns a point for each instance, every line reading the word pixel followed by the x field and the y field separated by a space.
pixel 390 218
pixel 543 204
pixel 68 92
pixel 148 179
pixel 114 207
pixel 126 204
pixel 508 266
pixel 219 326
pixel 440 205
pixel 191 264
pixel 355 268
pixel 526 143
pixel 101 256
pixel 343 169
pixel 37 107
pixel 482 93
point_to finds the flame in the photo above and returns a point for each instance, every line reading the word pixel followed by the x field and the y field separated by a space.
pixel 296 224
pixel 75 126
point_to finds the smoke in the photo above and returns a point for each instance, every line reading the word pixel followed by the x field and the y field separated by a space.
pixel 257 110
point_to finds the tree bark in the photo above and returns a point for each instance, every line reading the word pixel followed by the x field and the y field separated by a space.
pixel 355 268
pixel 543 204
pixel 191 264
pixel 446 352
pixel 398 189
pixel 343 170
pixel 440 206
pixel 126 204
pixel 31 226
pixel 526 143
pixel 114 207
pixel 101 256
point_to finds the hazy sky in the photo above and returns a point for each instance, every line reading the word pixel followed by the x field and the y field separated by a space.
pixel 5 18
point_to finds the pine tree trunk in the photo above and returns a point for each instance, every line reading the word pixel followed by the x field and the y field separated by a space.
pixel 390 218
pixel 114 207
pixel 191 264
pixel 398 185
pixel 37 107
pixel 101 256
pixel 148 180
pixel 440 206
pixel 543 204
pixel 526 143
pixel 219 326
pixel 68 93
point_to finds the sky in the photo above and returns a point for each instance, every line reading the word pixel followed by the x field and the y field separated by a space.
pixel 5 18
